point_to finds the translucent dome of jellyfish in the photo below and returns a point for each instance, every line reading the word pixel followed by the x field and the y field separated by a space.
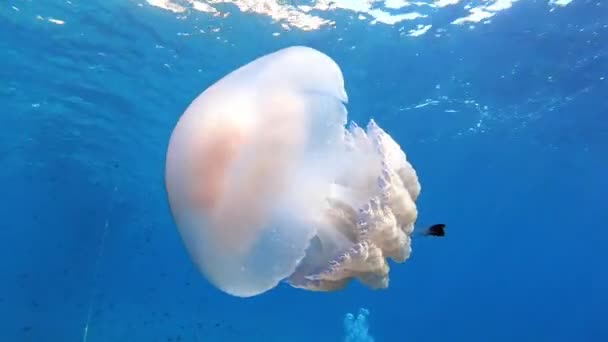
pixel 267 183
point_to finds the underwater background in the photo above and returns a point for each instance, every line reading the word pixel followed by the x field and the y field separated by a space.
pixel 501 107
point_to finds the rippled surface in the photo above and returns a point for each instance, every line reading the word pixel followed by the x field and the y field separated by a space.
pixel 505 119
pixel 312 15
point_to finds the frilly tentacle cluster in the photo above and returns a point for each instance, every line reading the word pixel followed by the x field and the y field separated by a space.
pixel 379 229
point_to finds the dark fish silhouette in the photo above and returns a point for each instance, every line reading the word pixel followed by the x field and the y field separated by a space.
pixel 434 230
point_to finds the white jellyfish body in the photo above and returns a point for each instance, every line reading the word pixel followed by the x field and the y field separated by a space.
pixel 266 184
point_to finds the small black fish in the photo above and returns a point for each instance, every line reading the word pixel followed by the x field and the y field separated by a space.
pixel 434 230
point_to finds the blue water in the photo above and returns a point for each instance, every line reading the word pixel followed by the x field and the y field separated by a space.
pixel 506 124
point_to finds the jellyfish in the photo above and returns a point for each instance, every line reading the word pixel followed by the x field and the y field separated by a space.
pixel 268 183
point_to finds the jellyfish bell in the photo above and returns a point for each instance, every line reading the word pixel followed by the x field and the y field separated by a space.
pixel 267 184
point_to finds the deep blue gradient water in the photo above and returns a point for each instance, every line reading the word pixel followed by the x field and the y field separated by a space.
pixel 506 125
